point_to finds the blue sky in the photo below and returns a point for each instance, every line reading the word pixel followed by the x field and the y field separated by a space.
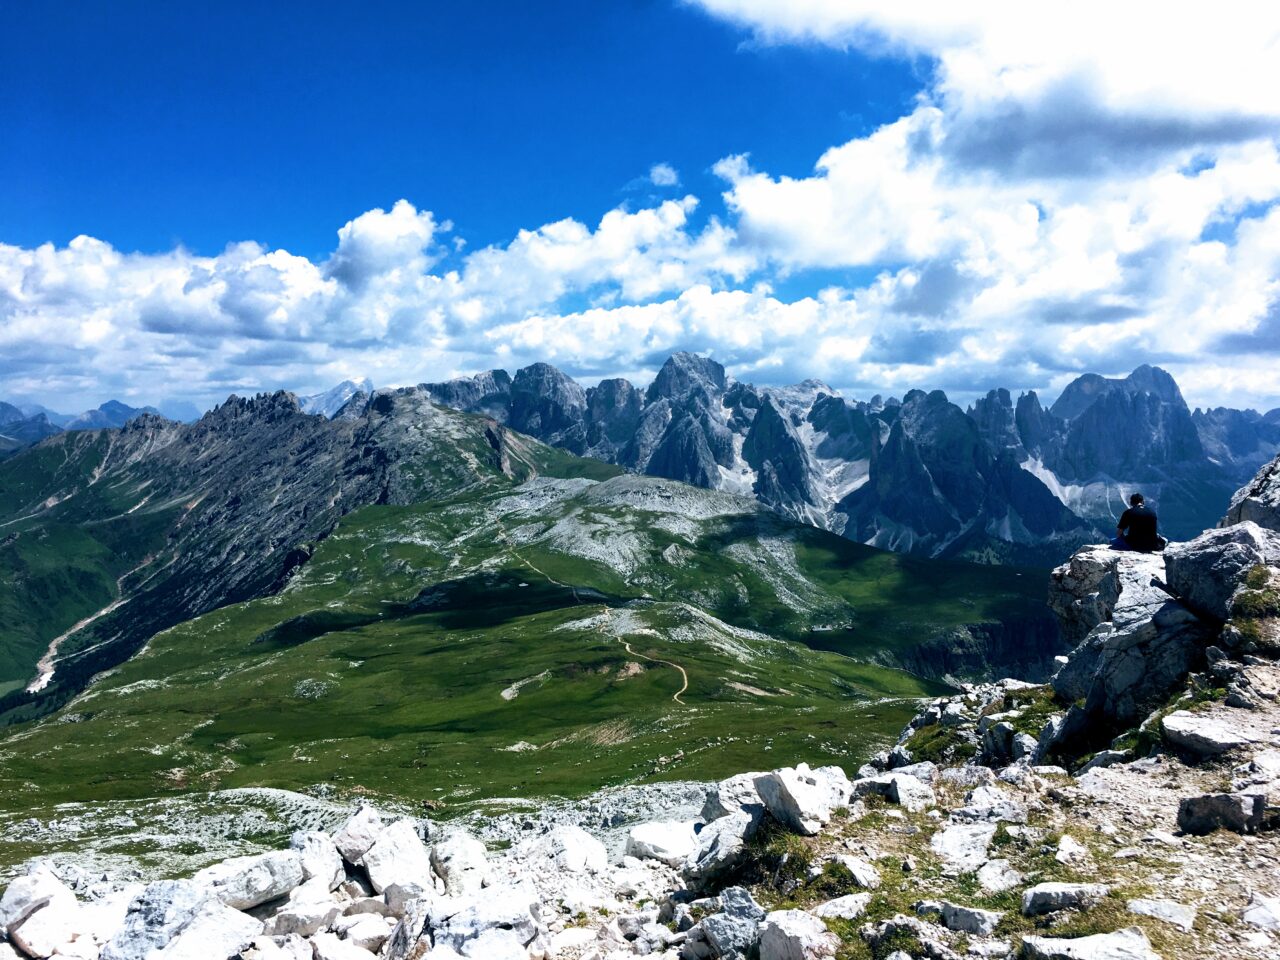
pixel 201 200
pixel 147 125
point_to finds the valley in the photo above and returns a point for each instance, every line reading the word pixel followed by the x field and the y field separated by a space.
pixel 497 619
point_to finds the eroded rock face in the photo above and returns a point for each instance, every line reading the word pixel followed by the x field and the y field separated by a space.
pixel 1259 500
pixel 1208 570
pixel 1145 643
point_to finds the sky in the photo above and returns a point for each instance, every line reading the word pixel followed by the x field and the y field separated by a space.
pixel 198 200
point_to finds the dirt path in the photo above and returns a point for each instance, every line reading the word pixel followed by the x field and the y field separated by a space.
pixel 45 667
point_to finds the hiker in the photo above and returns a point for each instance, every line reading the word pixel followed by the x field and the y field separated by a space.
pixel 1137 529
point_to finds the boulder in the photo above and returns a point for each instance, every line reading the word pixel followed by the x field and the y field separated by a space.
pixel 883 936
pixel 738 902
pixel 722 846
pixel 567 848
pixel 1052 897
pixel 963 846
pixel 796 935
pixel 1071 852
pixel 54 922
pixel 864 874
pixel 1202 734
pixel 804 799
pixel 997 876
pixel 959 918
pixel 245 882
pixel 1259 500
pixel 991 803
pixel 1105 758
pixel 460 861
pixel 733 795
pixel 1205 572
pixel 1127 944
pixel 29 893
pixel 397 856
pixel 491 923
pixel 185 920
pixel 1143 646
pixel 899 787
pixel 357 835
pixel 326 946
pixel 310 909
pixel 849 907
pixel 721 935
pixel 1175 914
pixel 1238 812
pixel 320 857
pixel 668 841
pixel 1076 591
pixel 1263 912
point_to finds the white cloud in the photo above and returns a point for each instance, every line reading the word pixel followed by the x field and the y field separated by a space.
pixel 1080 186
pixel 664 175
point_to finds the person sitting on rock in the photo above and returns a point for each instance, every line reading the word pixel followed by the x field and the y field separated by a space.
pixel 1138 528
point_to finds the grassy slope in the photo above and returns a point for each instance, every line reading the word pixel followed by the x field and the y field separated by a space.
pixel 381 668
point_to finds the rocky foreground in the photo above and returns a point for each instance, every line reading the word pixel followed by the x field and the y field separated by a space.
pixel 1125 811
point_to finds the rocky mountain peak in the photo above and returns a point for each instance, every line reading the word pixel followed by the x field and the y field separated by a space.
pixel 682 372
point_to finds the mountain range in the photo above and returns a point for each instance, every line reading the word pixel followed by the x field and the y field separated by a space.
pixel 253 598
pixel 1002 481
pixel 25 424
pixel 1005 480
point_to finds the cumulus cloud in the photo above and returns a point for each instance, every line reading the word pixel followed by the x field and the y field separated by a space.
pixel 1076 187
pixel 664 175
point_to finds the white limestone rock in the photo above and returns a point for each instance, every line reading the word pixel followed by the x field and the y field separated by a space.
pixel 804 799
pixel 722 845
pixel 320 857
pixel 667 841
pixel 567 848
pixel 309 909
pixel 358 834
pixel 54 923
pixel 1071 852
pixel 849 907
pixel 397 856
pixel 1127 944
pixel 245 882
pixel 1208 570
pixel 326 946
pixel 963 846
pixel 864 874
pixel 487 923
pixel 1052 897
pixel 960 918
pixel 183 919
pixel 34 891
pixel 733 795
pixel 796 935
pixel 997 876
pixel 1175 914
pixel 1203 735
pixel 460 861
pixel 910 792
pixel 1263 912
pixel 991 803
